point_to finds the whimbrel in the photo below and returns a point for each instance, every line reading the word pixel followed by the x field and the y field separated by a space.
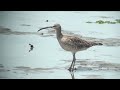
pixel 71 43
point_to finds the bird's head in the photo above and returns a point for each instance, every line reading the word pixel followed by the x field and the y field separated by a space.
pixel 57 26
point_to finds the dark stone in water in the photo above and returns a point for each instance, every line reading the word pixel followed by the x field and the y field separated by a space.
pixel 31 47
pixel 46 20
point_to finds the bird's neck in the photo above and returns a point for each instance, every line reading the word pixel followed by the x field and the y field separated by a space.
pixel 58 34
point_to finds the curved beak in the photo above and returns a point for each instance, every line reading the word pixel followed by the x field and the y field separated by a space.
pixel 44 28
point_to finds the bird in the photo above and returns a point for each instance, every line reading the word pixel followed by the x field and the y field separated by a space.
pixel 72 44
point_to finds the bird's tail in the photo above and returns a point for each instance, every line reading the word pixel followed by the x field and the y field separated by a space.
pixel 97 44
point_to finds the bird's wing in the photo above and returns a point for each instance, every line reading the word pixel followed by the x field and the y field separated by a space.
pixel 75 41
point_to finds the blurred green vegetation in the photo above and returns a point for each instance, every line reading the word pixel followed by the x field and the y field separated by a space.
pixel 104 22
pixel 117 20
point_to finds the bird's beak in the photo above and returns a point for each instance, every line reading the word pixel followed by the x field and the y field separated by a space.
pixel 44 28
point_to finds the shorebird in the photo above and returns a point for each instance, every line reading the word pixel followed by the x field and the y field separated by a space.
pixel 71 43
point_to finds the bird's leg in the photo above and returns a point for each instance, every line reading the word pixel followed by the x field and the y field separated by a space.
pixel 74 60
pixel 71 68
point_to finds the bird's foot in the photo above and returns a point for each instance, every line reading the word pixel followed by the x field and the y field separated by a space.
pixel 72 69
pixel 75 68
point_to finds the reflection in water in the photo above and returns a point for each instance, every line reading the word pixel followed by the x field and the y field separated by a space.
pixel 31 47
pixel 72 75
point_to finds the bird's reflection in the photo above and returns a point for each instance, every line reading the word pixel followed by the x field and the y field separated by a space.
pixel 72 75
pixel 31 47
pixel 72 70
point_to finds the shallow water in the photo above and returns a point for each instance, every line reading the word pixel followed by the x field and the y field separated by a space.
pixel 47 60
